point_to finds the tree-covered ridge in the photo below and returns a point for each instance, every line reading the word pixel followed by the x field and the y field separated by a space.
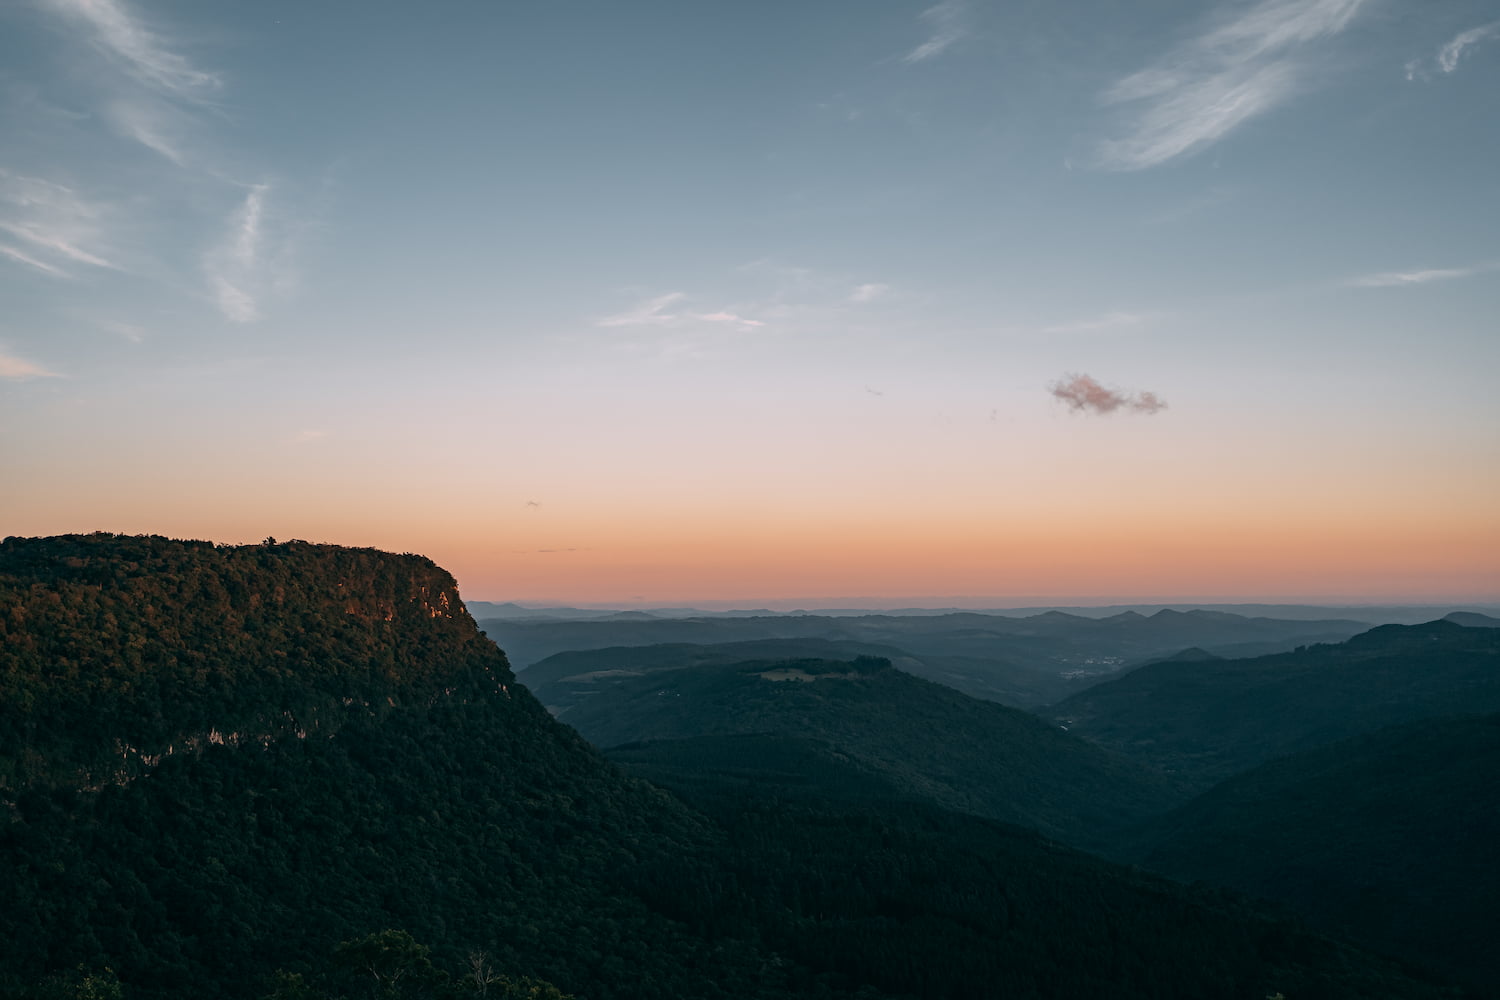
pixel 925 739
pixel 465 815
pixel 118 650
pixel 1208 720
pixel 1388 838
pixel 566 679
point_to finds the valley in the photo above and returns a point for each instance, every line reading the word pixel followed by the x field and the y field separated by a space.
pixel 787 825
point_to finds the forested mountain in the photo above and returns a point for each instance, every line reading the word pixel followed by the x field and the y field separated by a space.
pixel 433 793
pixel 121 650
pixel 1472 619
pixel 564 680
pixel 1204 721
pixel 924 739
pixel 1026 662
pixel 348 754
pixel 1389 837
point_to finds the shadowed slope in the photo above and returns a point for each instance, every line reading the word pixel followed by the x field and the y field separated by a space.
pixel 923 738
pixel 1207 720
pixel 436 796
pixel 1389 837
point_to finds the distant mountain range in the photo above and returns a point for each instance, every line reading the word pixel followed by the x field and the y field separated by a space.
pixel 1370 614
pixel 1378 833
pixel 1204 721
pixel 1026 662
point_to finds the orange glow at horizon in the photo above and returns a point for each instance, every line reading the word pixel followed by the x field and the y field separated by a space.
pixel 669 562
pixel 1084 521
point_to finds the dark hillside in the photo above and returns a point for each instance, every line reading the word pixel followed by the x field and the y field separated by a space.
pixel 563 680
pixel 388 772
pixel 1389 837
pixel 122 650
pixel 376 767
pixel 928 740
pixel 1472 619
pixel 1207 720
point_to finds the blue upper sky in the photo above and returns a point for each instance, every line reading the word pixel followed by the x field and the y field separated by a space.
pixel 320 244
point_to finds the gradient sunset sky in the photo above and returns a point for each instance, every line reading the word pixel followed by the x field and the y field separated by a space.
pixel 675 302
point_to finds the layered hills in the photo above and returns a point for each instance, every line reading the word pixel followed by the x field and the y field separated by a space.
pixel 221 761
pixel 924 739
pixel 1026 662
pixel 1373 837
pixel 1207 720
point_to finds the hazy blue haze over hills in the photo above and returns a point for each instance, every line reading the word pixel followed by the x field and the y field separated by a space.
pixel 1023 661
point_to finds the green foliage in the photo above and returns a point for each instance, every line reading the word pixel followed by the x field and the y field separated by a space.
pixel 291 986
pixel 441 798
pixel 390 965
pixel 1205 721
pixel 1388 837
pixel 79 983
pixel 918 737
pixel 118 651
pixel 565 679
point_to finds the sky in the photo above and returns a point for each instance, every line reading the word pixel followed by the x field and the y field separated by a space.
pixel 659 302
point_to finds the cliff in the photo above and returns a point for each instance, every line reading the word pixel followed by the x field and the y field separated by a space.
pixel 118 651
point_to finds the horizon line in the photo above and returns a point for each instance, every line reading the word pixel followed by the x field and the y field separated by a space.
pixel 996 603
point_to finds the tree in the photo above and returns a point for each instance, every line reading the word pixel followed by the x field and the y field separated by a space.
pixel 80 984
pixel 390 965
pixel 291 986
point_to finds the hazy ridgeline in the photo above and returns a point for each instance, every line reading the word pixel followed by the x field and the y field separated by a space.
pixel 1023 661
pixel 220 762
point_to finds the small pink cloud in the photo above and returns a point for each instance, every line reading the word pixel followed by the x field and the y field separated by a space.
pixel 1084 394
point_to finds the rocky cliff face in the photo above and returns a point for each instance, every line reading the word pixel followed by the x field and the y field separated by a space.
pixel 118 651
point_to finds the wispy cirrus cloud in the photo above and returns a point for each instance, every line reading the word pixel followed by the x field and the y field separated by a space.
pixel 19 369
pixel 21 257
pixel 1218 80
pixel 651 312
pixel 724 316
pixel 868 292
pixel 1402 279
pixel 657 311
pixel 50 226
pixel 949 24
pixel 1099 324
pixel 129 331
pixel 1449 55
pixel 152 124
pixel 1084 394
pixel 148 92
pixel 53 242
pixel 138 50
pixel 236 267
pixel 154 91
